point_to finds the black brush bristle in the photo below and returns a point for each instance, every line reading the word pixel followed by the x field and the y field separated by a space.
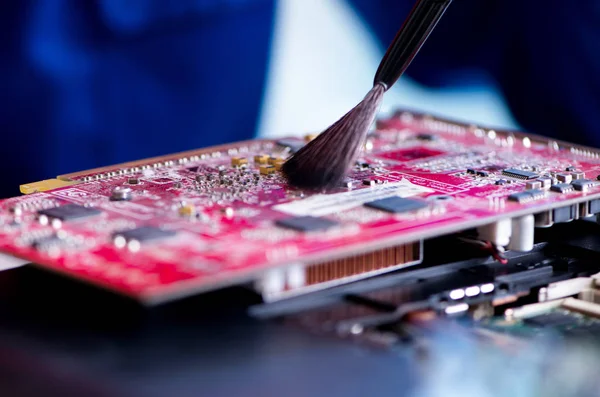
pixel 325 161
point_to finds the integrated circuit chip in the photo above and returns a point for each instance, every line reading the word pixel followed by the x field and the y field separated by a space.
pixel 144 233
pixel 396 204
pixel 527 196
pixel 519 174
pixel 306 223
pixel 69 212
pixel 562 188
pixel 583 184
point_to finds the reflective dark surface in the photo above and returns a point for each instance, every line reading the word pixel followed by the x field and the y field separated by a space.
pixel 59 337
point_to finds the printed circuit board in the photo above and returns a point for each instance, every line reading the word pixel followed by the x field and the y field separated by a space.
pixel 167 227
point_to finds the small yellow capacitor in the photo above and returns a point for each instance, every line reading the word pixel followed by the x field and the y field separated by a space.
pixel 278 164
pixel 239 161
pixel 187 210
pixel 309 137
pixel 267 169
pixel 261 159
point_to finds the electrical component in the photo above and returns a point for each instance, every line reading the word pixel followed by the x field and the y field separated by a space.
pixel 527 196
pixel 69 212
pixel 583 185
pixel 396 205
pixel 239 161
pixel 564 178
pixel 282 283
pixel 261 158
pixel 545 181
pixel 519 174
pixel 562 188
pixel 306 223
pixel 498 233
pixel 121 194
pixel 142 234
pixel 522 237
pixel 267 169
pixel 564 214
pixel 537 184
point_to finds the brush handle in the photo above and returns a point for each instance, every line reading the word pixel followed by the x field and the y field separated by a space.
pixel 409 40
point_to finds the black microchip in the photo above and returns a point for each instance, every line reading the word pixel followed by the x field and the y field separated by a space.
pixel 483 173
pixel 145 233
pixel 528 195
pixel 362 165
pixel 46 242
pixel 69 212
pixel 554 319
pixel 426 137
pixel 564 214
pixel 306 223
pixel 521 197
pixel 396 204
pixel 470 171
pixel 561 188
pixel 519 174
pixel 292 144
pixel 501 182
pixel 583 184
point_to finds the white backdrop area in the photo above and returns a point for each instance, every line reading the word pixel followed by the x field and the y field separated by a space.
pixel 323 61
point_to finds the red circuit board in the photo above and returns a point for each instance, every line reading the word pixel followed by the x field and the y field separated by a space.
pixel 219 208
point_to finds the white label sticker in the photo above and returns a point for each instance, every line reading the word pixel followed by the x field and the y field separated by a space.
pixel 325 204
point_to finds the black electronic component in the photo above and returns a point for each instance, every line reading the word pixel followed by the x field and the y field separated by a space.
pixel 306 223
pixel 145 233
pixel 483 173
pixel 519 174
pixel 570 168
pixel 564 214
pixel 292 144
pixel 472 171
pixel 521 197
pixel 46 242
pixel 69 212
pixel 396 204
pixel 562 188
pixel 501 182
pixel 582 184
pixel 526 196
pixel 426 137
